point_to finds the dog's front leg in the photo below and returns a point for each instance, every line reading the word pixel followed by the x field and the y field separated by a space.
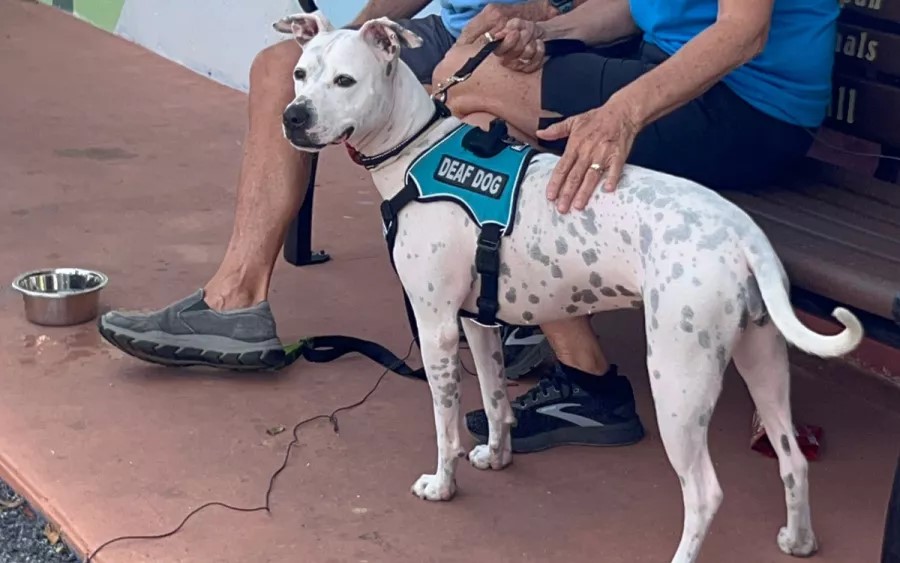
pixel 440 355
pixel 486 351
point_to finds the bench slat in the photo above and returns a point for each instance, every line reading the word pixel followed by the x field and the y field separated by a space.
pixel 845 199
pixel 883 193
pixel 872 229
pixel 844 189
pixel 840 233
pixel 833 270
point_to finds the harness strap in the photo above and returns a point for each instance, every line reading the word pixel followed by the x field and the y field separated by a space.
pixel 487 264
pixel 390 209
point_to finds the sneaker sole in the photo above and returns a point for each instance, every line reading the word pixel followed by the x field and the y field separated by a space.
pixel 624 434
pixel 528 360
pixel 241 356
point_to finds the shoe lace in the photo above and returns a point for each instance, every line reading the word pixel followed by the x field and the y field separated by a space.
pixel 543 389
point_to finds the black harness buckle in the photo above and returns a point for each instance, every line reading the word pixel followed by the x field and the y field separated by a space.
pixel 487 310
pixel 487 263
pixel 487 253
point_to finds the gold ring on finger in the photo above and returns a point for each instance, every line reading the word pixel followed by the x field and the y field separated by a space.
pixel 596 166
pixel 488 36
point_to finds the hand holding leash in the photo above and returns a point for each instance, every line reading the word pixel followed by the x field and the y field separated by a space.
pixel 494 17
pixel 521 46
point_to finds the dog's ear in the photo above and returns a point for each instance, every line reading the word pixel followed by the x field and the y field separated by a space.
pixel 303 26
pixel 387 36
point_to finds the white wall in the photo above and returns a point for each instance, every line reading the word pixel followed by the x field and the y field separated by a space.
pixel 218 38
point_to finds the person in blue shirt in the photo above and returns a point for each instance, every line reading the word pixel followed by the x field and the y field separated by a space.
pixel 722 92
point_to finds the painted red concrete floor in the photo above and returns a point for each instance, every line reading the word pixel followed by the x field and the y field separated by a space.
pixel 116 159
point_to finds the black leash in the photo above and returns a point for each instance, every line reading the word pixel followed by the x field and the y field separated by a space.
pixel 439 92
pixel 552 48
pixel 322 349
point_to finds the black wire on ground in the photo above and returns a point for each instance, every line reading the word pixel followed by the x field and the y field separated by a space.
pixel 332 417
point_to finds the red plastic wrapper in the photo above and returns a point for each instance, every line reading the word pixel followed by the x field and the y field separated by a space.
pixel 809 438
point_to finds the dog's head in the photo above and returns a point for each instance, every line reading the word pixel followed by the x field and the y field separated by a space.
pixel 344 80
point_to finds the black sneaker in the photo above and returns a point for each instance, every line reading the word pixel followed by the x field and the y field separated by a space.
pixel 558 412
pixel 189 332
pixel 524 349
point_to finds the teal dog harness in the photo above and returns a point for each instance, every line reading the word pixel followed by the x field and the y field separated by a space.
pixel 486 187
pixel 481 171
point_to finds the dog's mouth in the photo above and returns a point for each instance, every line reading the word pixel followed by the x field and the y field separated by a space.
pixel 344 136
pixel 304 143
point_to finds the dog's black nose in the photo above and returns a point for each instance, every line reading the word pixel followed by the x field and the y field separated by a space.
pixel 297 116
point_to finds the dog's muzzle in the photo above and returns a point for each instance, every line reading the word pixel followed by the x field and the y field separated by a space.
pixel 297 118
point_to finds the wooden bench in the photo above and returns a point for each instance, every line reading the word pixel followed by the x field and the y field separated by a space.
pixel 837 232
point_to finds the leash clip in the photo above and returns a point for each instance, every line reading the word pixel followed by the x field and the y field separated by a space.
pixel 440 93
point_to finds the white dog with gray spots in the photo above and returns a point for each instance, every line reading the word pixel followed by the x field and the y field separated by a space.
pixel 711 287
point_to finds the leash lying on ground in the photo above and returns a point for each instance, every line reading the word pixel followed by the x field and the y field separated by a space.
pixel 322 349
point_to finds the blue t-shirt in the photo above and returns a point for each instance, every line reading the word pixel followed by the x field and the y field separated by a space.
pixel 790 79
pixel 457 13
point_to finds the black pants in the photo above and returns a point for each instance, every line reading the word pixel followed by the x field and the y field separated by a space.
pixel 718 139
pixel 890 551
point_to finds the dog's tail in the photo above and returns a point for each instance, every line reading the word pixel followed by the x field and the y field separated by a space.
pixel 773 286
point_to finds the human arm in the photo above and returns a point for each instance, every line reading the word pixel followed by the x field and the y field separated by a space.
pixel 604 136
pixel 394 9
pixel 738 35
pixel 592 22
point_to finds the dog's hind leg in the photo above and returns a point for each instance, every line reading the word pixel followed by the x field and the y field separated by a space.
pixel 439 339
pixel 486 351
pixel 686 378
pixel 761 358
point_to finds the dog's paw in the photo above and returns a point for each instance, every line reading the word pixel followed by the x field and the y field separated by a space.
pixel 803 545
pixel 429 487
pixel 482 457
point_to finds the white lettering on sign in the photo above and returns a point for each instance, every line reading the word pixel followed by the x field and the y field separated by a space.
pixel 868 4
pixel 844 107
pixel 858 46
pixel 468 176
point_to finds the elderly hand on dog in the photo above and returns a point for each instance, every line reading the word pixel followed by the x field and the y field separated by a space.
pixel 599 141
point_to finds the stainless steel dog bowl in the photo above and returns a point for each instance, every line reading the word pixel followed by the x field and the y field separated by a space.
pixel 60 296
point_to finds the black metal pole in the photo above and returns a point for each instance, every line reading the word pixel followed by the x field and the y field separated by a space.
pixel 890 550
pixel 298 242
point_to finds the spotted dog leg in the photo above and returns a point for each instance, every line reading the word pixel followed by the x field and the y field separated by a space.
pixel 440 355
pixel 485 345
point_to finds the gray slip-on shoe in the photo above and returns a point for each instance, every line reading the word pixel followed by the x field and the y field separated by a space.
pixel 189 333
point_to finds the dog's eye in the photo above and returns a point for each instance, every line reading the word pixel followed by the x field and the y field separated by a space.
pixel 344 81
pixel 299 74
